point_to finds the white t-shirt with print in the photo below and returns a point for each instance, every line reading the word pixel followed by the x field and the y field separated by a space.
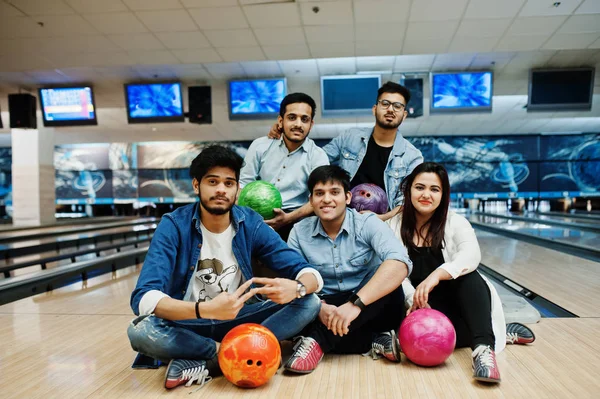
pixel 217 269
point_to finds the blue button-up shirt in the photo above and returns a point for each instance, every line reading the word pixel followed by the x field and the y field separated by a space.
pixel 347 262
pixel 175 250
pixel 271 161
pixel 349 148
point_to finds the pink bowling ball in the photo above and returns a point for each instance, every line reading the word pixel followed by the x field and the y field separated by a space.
pixel 427 337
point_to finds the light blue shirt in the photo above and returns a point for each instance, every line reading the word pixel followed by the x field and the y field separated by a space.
pixel 270 160
pixel 349 148
pixel 347 262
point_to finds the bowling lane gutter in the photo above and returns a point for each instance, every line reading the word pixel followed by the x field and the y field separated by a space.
pixel 581 251
pixel 546 307
pixel 583 226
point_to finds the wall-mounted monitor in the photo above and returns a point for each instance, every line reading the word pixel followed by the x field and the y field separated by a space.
pixel 349 94
pixel 414 108
pixel 154 102
pixel 256 99
pixel 461 92
pixel 68 106
pixel 560 89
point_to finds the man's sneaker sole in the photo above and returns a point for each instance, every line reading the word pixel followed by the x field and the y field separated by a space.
pixel 486 379
pixel 395 347
pixel 167 376
pixel 292 370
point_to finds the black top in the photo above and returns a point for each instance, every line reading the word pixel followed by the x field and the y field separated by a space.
pixel 425 260
pixel 372 168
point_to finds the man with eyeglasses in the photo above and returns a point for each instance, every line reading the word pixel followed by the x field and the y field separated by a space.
pixel 287 162
pixel 378 155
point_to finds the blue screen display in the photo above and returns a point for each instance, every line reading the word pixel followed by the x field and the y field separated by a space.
pixel 349 94
pixel 256 97
pixel 465 90
pixel 154 100
pixel 68 104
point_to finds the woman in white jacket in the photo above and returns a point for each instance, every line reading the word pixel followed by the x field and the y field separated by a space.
pixel 445 254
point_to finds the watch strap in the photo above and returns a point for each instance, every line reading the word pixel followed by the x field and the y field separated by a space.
pixel 355 299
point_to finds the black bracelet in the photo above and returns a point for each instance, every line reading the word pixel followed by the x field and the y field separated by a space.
pixel 197 310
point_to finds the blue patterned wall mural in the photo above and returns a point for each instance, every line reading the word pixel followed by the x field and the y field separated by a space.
pixel 546 166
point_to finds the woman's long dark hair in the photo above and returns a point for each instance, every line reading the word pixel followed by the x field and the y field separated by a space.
pixel 437 221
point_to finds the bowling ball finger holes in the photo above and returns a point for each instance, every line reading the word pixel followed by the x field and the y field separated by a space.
pixel 249 363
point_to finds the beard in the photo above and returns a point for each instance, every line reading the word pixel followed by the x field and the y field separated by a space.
pixel 215 210
pixel 382 123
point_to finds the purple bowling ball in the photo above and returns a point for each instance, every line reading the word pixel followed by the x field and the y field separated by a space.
pixel 369 197
pixel 427 337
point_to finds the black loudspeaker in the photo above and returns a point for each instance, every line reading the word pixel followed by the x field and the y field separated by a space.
pixel 22 108
pixel 200 103
pixel 1 124
pixel 415 105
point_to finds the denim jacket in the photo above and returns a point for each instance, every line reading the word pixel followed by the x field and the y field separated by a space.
pixel 175 249
pixel 349 148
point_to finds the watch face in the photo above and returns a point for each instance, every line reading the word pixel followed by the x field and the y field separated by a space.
pixel 301 290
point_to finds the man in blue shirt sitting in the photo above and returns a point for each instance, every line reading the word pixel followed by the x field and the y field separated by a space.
pixel 193 287
pixel 362 265
pixel 287 162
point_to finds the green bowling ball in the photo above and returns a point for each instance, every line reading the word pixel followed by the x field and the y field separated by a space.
pixel 261 196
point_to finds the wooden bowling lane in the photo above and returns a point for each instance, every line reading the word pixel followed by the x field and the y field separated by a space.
pixel 569 281
pixel 72 343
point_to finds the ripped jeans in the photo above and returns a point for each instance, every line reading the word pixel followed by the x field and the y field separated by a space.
pixel 196 338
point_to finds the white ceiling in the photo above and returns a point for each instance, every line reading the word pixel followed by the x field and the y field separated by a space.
pixel 109 42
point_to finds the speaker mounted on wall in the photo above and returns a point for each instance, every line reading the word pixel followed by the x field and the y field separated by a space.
pixel 415 105
pixel 200 104
pixel 22 109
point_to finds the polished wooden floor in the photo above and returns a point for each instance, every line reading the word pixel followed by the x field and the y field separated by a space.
pixel 72 343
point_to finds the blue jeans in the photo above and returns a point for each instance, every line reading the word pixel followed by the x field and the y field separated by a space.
pixel 196 338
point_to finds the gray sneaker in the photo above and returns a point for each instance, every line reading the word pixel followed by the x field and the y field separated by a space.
pixel 519 334
pixel 484 364
pixel 184 371
pixel 386 345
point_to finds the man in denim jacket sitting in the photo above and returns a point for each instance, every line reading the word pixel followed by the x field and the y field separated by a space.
pixel 362 265
pixel 193 287
pixel 378 155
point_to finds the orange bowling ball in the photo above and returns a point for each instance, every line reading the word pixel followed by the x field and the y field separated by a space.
pixel 249 355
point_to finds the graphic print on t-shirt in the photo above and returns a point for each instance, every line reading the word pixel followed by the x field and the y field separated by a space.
pixel 213 278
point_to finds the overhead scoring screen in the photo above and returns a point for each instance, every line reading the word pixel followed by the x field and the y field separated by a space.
pixel 461 91
pixel 68 106
pixel 154 102
pixel 255 99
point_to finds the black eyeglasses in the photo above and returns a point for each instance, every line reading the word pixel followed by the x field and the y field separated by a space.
pixel 385 104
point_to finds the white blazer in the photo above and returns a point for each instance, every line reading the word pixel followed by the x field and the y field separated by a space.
pixel 461 256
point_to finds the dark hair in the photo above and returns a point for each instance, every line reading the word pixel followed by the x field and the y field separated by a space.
pixel 213 156
pixel 391 87
pixel 298 98
pixel 437 221
pixel 326 174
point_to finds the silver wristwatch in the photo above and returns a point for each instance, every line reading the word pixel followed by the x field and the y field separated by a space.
pixel 300 290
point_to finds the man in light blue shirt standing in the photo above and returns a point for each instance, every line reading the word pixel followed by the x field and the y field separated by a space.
pixel 362 265
pixel 287 162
